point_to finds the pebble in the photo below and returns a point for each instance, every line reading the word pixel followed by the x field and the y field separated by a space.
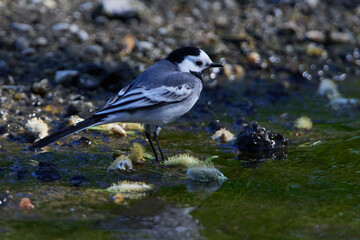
pixel 4 69
pixel 47 172
pixel 94 50
pixel 125 9
pixel 254 58
pixel 41 41
pixel 143 45
pixel 87 81
pixel 82 35
pixel 63 26
pixel 315 36
pixel 28 52
pixel 66 76
pixel 42 87
pixel 21 44
pixel 78 180
pixel 21 27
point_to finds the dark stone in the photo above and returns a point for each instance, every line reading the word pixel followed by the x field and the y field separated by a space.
pixel 21 44
pixel 118 78
pixel 4 69
pixel 21 173
pixel 4 196
pixel 47 172
pixel 82 141
pixel 213 127
pixel 78 180
pixel 88 82
pixel 73 109
pixel 3 129
pixel 255 141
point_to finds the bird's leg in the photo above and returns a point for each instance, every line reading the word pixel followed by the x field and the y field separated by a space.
pixel 156 134
pixel 148 135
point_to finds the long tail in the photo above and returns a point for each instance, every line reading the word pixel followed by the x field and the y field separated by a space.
pixel 94 120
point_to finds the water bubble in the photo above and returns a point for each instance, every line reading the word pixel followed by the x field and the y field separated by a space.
pixel 313 67
pixel 326 68
pixel 320 73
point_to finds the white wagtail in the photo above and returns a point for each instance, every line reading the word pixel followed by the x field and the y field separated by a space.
pixel 162 93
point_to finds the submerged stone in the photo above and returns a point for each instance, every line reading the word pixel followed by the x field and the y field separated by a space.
pixel 47 172
pixel 78 180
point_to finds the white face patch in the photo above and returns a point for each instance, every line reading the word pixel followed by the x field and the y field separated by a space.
pixel 191 63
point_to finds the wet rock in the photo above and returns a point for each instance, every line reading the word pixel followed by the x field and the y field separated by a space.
pixel 78 180
pixel 316 50
pixel 254 141
pixel 62 26
pixel 254 58
pixel 118 78
pixel 316 36
pixel 342 103
pixel 340 37
pixel 21 27
pixel 21 44
pixel 4 198
pixel 83 141
pixel 41 41
pixel 87 81
pixel 82 35
pixel 28 52
pixel 124 10
pixel 213 126
pixel 92 68
pixel 21 173
pixel 94 51
pixel 4 69
pixel 66 77
pixel 47 172
pixel 81 108
pixel 42 87
pixel 205 174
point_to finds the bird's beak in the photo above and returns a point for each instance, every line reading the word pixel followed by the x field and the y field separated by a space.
pixel 216 65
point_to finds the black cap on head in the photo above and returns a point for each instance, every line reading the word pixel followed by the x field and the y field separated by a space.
pixel 179 54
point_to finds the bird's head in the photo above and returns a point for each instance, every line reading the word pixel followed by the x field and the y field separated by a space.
pixel 191 59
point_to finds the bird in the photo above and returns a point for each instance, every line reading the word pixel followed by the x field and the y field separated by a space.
pixel 162 93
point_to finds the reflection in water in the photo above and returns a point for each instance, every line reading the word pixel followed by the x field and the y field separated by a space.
pixel 152 218
pixel 196 186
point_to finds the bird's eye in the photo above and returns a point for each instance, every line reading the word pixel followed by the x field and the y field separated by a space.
pixel 199 63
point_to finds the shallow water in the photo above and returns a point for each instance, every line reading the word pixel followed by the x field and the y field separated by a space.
pixel 313 193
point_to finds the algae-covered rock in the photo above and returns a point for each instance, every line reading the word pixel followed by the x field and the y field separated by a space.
pixel 204 174
pixel 254 141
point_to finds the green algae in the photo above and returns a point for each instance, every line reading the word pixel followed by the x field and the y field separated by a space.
pixel 313 193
